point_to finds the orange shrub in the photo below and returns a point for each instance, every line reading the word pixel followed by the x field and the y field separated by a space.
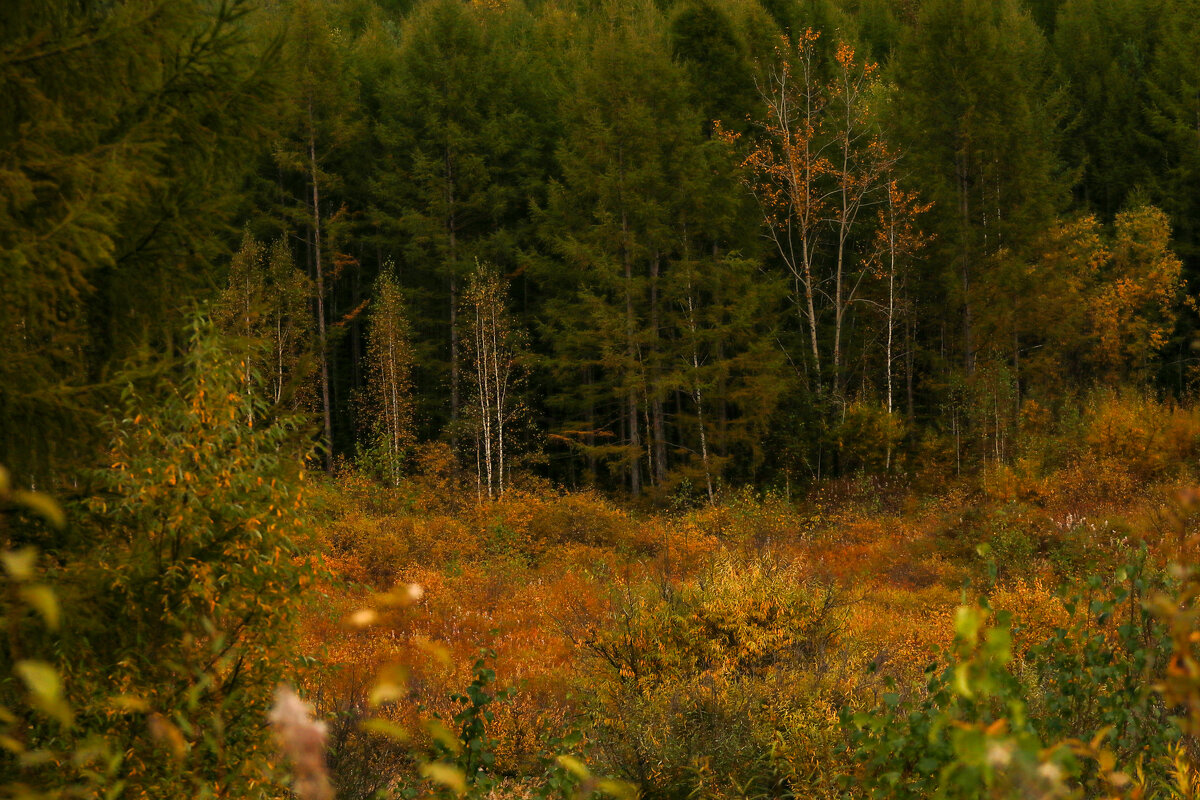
pixel 1150 438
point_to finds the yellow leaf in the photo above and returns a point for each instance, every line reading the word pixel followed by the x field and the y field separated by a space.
pixel 446 775
pixel 41 598
pixel 385 692
pixel 574 766
pixel 130 703
pixel 618 789
pixel 45 688
pixel 441 734
pixel 385 727
pixel 19 563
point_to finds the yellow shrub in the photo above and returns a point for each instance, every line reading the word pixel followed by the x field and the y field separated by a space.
pixel 1149 437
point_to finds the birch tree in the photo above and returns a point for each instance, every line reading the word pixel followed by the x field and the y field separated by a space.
pixel 492 345
pixel 816 162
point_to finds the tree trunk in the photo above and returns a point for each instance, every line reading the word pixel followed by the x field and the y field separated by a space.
pixel 321 336
pixel 656 406
pixel 452 254
pixel 635 441
pixel 964 210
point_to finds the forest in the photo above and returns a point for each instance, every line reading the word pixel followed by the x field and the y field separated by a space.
pixel 650 399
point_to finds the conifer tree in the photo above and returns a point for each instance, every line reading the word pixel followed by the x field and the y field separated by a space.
pixel 1105 49
pixel 114 193
pixel 468 133
pixel 322 125
pixel 388 407
pixel 265 309
pixel 979 107
pixel 652 321
pixel 1173 110
pixel 984 141
pixel 610 219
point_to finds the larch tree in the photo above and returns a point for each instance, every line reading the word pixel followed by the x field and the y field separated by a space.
pixel 1105 50
pixel 264 309
pixel 979 108
pixel 240 310
pixel 653 324
pixel 289 330
pixel 609 217
pixel 322 123
pixel 1173 111
pixel 114 194
pixel 388 407
pixel 467 142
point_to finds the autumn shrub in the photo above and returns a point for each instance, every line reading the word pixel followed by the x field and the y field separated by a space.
pixel 579 518
pixel 1075 710
pixel 1149 437
pixel 368 549
pixel 439 484
pixel 698 676
pixel 177 617
pixel 1082 546
pixel 1113 448
pixel 757 520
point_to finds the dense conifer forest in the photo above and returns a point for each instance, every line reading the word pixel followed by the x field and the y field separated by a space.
pixel 629 398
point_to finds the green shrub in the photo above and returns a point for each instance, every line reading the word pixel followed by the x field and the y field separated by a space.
pixel 993 723
pixel 176 624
